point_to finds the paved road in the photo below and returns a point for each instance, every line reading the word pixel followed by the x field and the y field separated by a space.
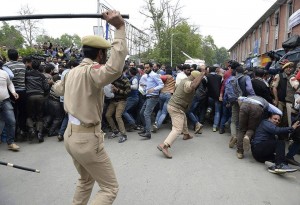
pixel 203 171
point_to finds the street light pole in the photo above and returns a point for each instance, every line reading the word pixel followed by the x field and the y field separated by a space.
pixel 172 49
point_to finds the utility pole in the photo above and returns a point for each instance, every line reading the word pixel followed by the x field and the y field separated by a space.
pixel 99 22
pixel 172 49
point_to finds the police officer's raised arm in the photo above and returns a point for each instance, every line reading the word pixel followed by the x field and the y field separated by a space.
pixel 114 66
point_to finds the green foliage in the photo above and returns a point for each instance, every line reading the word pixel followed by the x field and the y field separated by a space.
pixel 168 27
pixel 67 40
pixel 28 51
pixel 10 36
pixel 221 55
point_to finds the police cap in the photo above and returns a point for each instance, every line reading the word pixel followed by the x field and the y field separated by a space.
pixel 95 42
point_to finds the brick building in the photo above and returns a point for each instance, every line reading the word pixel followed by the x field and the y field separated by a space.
pixel 268 33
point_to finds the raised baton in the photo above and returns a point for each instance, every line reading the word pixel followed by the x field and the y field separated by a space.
pixel 54 16
pixel 19 167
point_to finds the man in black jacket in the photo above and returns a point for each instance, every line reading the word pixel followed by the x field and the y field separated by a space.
pixel 265 146
pixel 260 87
pixel 36 88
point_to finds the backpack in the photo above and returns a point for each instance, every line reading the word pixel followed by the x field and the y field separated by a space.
pixel 232 89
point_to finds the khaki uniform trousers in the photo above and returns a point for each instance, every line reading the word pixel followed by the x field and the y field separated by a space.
pixel 179 124
pixel 85 145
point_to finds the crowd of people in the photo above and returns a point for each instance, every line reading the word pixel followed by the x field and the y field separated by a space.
pixel 261 108
pixel 75 99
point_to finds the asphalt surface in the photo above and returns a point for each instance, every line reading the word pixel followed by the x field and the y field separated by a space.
pixel 203 171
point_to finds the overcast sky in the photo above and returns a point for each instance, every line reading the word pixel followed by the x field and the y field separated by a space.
pixel 225 20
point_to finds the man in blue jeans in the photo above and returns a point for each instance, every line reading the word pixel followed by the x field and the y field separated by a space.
pixel 153 85
pixel 6 109
pixel 265 146
pixel 133 98
pixel 164 97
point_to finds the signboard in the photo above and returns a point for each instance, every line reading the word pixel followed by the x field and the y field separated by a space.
pixel 294 19
pixel 256 48
pixel 98 31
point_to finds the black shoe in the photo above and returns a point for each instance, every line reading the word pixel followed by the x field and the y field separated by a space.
pixel 293 162
pixel 122 139
pixel 138 127
pixel 146 135
pixel 31 135
pixel 60 138
pixel 131 128
pixel 142 132
pixel 52 134
pixel 222 131
pixel 40 137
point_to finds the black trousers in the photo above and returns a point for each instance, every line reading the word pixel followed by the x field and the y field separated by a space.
pixel 272 150
pixel 20 109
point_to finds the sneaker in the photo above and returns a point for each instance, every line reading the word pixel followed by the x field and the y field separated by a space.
pixel 232 142
pixel 154 128
pixel 123 138
pixel 272 169
pixel 284 167
pixel 13 147
pixel 198 128
pixel 246 143
pixel 114 135
pixel 214 129
pixel 269 163
pixel 239 155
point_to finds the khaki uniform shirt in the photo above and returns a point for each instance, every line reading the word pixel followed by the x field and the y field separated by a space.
pixel 82 87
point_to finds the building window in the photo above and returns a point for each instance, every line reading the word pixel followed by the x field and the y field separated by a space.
pixel 259 36
pixel 276 24
pixel 267 28
pixel 276 19
pixel 289 13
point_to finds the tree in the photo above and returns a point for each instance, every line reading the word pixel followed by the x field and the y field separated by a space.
pixel 67 40
pixel 163 18
pixel 29 28
pixel 221 55
pixel 209 48
pixel 10 36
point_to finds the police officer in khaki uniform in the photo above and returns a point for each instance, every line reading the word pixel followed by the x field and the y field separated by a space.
pixel 82 89
pixel 178 105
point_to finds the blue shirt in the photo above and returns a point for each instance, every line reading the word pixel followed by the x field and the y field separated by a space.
pixel 61 78
pixel 261 101
pixel 9 72
pixel 153 81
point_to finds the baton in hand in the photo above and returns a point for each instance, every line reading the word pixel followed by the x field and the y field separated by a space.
pixel 54 16
pixel 19 167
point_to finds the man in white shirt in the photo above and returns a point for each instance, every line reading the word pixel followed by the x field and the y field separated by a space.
pixel 6 109
pixel 186 71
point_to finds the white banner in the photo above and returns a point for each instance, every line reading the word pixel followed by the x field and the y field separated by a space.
pixel 294 19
